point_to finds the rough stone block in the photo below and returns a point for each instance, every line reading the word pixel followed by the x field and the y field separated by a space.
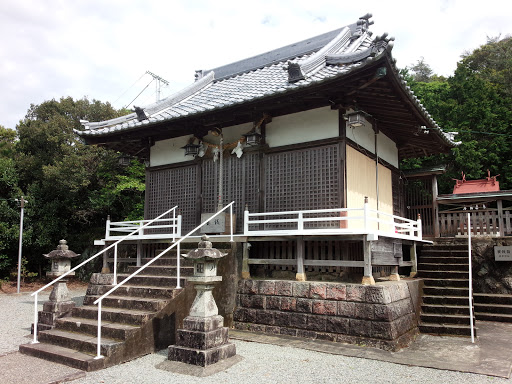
pixel 304 305
pixel 395 291
pixel 282 319
pixel 356 292
pixel 346 309
pixel 300 289
pixel 205 324
pixel 378 294
pixel 288 304
pixel 364 311
pixel 201 340
pixel 298 320
pixel 265 317
pixel 250 315
pixel 325 336
pixel 318 290
pixel 306 334
pixel 272 330
pixel 383 312
pixel 360 328
pixel 239 314
pixel 245 300
pixel 316 323
pixel 257 302
pixel 251 287
pixel 336 291
pixel 288 331
pixel 334 324
pixel 267 287
pixel 324 307
pixel 273 302
pixel 61 307
pixel 382 330
pixel 284 288
pixel 257 328
pixel 201 358
pixel 102 279
pixel 241 286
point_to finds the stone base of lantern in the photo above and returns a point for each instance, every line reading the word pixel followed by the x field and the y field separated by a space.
pixel 203 341
pixel 58 306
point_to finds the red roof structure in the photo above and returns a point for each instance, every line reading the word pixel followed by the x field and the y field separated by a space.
pixel 489 184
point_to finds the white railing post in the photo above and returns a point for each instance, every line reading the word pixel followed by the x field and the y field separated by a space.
pixel 98 347
pixel 174 226
pixel 231 221
pixel 34 340
pixel 300 223
pixel 141 230
pixel 470 288
pixel 178 263
pixel 365 213
pixel 178 230
pixel 107 228
pixel 115 264
pixel 246 220
pixel 420 228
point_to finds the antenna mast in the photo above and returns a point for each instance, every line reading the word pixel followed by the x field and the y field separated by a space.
pixel 159 80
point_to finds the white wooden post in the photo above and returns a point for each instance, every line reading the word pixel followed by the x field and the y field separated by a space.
pixel 98 341
pixel 178 230
pixel 301 274
pixel 246 220
pixel 231 221
pixel 115 264
pixel 107 228
pixel 420 229
pixel 300 223
pixel 174 225
pixel 365 213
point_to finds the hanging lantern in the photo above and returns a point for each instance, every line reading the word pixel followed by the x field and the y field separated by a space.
pixel 357 119
pixel 253 138
pixel 191 149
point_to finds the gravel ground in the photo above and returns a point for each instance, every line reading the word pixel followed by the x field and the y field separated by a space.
pixel 262 363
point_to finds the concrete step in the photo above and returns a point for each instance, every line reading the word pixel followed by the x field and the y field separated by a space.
pixel 493 308
pixel 162 270
pixel 494 298
pixel 80 342
pixel 62 355
pixel 153 281
pixel 446 291
pixel 137 303
pixel 443 259
pixel 168 261
pixel 445 309
pixel 445 329
pixel 116 331
pixel 437 318
pixel 448 246
pixel 440 282
pixel 445 300
pixel 135 291
pixel 118 315
pixel 501 317
pixel 443 274
pixel 424 266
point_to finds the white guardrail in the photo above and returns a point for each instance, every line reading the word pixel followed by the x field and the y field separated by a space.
pixel 177 245
pixel 114 245
pixel 170 227
pixel 351 220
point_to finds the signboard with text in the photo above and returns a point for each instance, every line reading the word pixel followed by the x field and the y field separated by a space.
pixel 503 253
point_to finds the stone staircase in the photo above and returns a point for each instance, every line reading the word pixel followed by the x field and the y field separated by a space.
pixel 444 268
pixel 137 319
pixel 493 307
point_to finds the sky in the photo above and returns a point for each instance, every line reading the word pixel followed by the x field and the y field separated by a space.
pixel 101 49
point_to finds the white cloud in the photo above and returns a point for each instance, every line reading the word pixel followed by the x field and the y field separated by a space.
pixel 99 48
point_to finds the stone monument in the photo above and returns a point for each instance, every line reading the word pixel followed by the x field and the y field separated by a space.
pixel 59 303
pixel 203 341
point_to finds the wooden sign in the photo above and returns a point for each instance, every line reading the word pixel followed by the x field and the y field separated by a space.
pixel 503 253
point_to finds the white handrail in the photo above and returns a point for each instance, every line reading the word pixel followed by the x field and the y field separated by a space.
pixel 34 341
pixel 176 244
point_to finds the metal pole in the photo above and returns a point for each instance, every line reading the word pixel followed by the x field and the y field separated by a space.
pixel 470 288
pixel 178 266
pixel 22 201
pixel 34 341
pixel 98 346
pixel 221 172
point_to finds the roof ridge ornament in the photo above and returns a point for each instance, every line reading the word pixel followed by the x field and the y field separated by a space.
pixel 378 45
pixel 362 26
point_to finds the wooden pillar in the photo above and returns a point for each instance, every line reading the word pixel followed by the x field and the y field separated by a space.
pixel 367 252
pixel 414 260
pixel 394 276
pixel 246 273
pixel 105 268
pixel 301 274
pixel 501 222
pixel 435 207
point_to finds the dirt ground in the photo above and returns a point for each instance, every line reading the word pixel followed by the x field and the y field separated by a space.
pixel 11 286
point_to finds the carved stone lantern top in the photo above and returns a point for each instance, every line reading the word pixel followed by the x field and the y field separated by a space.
pixel 204 251
pixel 62 252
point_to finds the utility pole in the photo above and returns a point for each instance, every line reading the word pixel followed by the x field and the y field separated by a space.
pixel 159 80
pixel 22 205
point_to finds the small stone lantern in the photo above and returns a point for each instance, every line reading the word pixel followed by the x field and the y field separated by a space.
pixel 204 340
pixel 60 304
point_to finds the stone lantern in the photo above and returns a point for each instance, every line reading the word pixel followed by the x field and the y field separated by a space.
pixel 59 304
pixel 204 339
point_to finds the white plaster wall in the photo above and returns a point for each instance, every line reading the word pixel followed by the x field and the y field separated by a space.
pixel 169 151
pixel 365 137
pixel 315 124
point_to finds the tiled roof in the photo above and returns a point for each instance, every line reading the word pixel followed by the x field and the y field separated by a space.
pixel 273 73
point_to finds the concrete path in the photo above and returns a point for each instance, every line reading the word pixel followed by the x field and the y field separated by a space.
pixel 490 355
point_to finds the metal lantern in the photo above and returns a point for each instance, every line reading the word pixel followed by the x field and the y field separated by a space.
pixel 191 149
pixel 357 119
pixel 253 138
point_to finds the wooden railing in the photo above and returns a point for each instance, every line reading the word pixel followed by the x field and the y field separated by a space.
pixel 485 222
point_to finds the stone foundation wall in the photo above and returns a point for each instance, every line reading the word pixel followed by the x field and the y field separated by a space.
pixel 383 315
pixel 490 276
